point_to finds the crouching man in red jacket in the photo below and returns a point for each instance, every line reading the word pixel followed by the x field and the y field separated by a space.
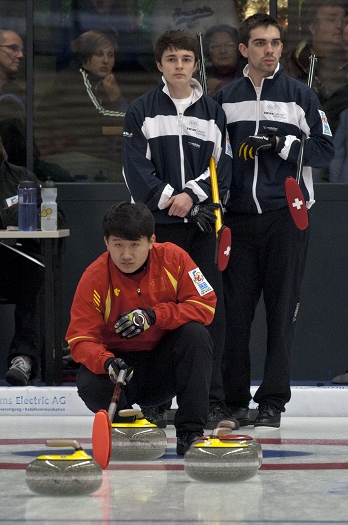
pixel 145 304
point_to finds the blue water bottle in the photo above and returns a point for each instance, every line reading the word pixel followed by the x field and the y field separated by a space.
pixel 27 206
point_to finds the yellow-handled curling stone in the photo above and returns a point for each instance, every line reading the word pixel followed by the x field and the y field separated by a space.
pixel 64 474
pixel 137 441
pixel 219 459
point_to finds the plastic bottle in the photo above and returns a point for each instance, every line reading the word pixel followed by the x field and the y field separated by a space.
pixel 27 206
pixel 48 206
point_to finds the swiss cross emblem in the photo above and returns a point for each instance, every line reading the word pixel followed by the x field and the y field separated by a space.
pixel 297 204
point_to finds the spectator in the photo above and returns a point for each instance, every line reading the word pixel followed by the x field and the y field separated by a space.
pixel 170 134
pixel 226 62
pixel 15 286
pixel 123 17
pixel 266 113
pixel 159 331
pixel 323 22
pixel 79 121
pixel 12 95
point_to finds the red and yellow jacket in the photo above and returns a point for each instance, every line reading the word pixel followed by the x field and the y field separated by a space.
pixel 171 285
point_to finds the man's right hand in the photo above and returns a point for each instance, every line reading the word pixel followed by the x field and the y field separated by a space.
pixel 113 366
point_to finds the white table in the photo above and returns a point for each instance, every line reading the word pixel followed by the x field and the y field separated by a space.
pixel 53 369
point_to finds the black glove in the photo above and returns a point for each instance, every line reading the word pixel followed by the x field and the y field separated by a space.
pixel 114 365
pixel 135 322
pixel 252 145
pixel 203 215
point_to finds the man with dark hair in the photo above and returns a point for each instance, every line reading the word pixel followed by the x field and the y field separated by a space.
pixel 267 112
pixel 144 303
pixel 170 134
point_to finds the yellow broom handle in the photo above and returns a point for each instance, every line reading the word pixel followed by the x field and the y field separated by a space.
pixel 215 194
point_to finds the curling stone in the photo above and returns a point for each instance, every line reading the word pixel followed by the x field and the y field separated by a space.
pixel 240 438
pixel 137 441
pixel 64 474
pixel 214 459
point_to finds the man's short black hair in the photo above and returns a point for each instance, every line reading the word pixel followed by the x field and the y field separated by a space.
pixel 254 21
pixel 176 39
pixel 129 221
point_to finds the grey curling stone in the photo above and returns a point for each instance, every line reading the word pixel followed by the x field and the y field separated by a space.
pixel 214 459
pixel 137 441
pixel 64 474
pixel 239 437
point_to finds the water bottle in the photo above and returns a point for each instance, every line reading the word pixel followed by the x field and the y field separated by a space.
pixel 48 206
pixel 27 206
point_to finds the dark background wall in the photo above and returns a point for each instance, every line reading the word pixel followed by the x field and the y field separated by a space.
pixel 321 345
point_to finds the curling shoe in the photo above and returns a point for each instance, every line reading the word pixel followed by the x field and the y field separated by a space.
pixel 219 412
pixel 19 372
pixel 341 379
pixel 155 415
pixel 268 416
pixel 185 439
pixel 241 414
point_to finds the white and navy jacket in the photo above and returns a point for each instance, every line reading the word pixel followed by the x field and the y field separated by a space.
pixel 284 107
pixel 165 154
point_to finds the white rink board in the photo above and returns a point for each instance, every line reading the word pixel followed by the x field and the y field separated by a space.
pixel 306 401
pixel 44 401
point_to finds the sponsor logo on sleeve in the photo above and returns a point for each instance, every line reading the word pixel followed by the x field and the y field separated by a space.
pixel 326 127
pixel 200 282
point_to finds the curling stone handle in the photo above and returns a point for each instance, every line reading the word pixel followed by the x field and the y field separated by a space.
pixel 129 412
pixel 63 443
pixel 226 423
pixel 221 430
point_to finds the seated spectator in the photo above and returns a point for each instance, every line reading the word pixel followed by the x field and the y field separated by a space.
pixel 322 24
pixel 226 62
pixel 124 17
pixel 21 279
pixel 11 56
pixel 79 121
pixel 159 333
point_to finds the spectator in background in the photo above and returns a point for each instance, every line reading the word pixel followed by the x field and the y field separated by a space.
pixel 21 279
pixel 322 24
pixel 323 20
pixel 80 118
pixel 11 56
pixel 225 61
pixel 13 110
pixel 339 100
pixel 124 17
pixel 191 15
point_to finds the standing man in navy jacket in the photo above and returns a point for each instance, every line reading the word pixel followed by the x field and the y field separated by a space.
pixel 266 113
pixel 170 134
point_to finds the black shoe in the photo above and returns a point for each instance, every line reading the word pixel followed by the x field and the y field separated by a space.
pixel 217 413
pixel 268 416
pixel 155 415
pixel 19 372
pixel 241 414
pixel 185 439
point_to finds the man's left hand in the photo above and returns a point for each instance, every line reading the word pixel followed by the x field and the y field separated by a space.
pixel 203 215
pixel 253 144
pixel 135 322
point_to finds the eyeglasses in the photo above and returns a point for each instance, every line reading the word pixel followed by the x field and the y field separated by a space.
pixel 229 46
pixel 14 48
